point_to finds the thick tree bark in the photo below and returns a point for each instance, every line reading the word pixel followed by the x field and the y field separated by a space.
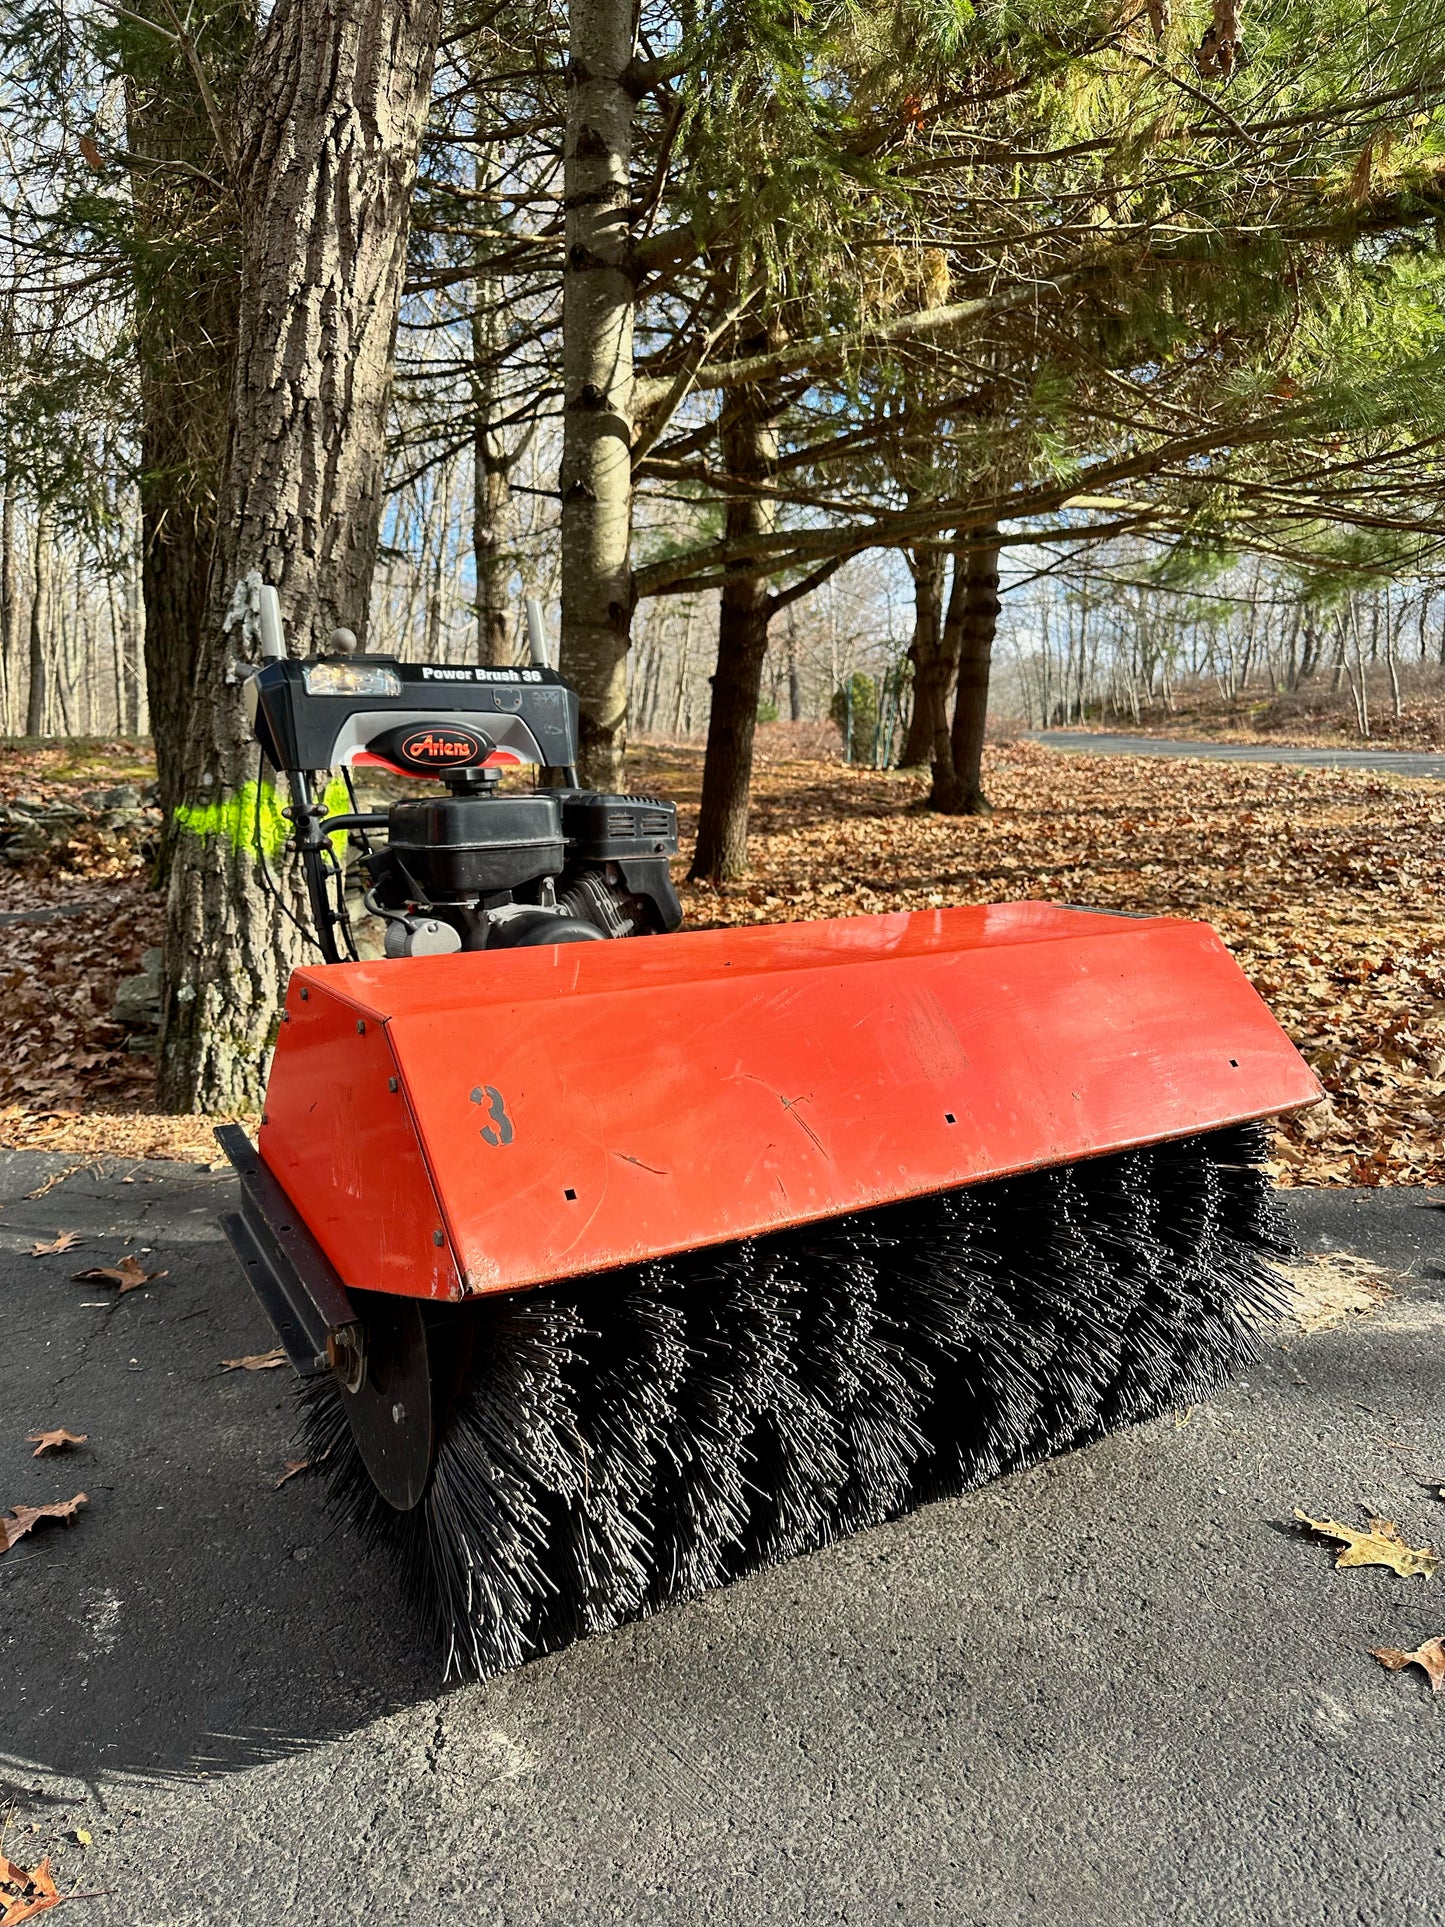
pixel 186 283
pixel 749 446
pixel 40 597
pixel 599 295
pixel 330 117
pixel 177 531
pixel 958 774
pixel 932 664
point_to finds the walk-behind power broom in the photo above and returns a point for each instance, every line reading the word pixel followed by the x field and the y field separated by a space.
pixel 617 1270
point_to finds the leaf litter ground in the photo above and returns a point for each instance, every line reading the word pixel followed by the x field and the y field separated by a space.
pixel 1326 884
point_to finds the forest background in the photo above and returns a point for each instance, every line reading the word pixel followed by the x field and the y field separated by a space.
pixel 829 368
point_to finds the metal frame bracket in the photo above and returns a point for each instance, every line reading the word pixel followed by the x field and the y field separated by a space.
pixel 298 1286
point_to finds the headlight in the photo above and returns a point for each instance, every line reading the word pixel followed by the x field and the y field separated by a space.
pixel 350 679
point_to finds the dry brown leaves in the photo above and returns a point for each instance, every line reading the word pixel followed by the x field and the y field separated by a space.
pixel 1379 1543
pixel 58 973
pixel 255 1361
pixel 26 1891
pixel 64 1241
pixel 57 1441
pixel 1326 885
pixel 129 1275
pixel 58 979
pixel 21 1519
pixel 1429 1657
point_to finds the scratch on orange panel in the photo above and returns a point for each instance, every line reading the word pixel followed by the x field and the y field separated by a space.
pixel 641 1165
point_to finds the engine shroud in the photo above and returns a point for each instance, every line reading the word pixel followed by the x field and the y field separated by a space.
pixel 470 846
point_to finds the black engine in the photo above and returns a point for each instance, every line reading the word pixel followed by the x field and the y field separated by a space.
pixel 478 867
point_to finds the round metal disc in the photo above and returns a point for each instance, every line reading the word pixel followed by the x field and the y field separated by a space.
pixel 391 1415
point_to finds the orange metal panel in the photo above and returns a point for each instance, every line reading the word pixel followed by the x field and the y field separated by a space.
pixel 338 1135
pixel 586 1105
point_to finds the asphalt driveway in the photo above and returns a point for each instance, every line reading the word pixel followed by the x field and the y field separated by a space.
pixel 1396 762
pixel 1117 1690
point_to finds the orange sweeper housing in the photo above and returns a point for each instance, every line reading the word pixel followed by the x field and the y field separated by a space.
pixel 616 1269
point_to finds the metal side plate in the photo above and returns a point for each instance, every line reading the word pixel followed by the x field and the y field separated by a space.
pixel 296 1282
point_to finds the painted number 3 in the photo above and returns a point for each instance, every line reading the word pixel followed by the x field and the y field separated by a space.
pixel 499 1131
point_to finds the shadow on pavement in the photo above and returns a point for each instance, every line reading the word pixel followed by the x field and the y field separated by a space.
pixel 194 1617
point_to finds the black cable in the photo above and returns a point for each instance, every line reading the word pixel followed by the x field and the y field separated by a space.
pixel 343 916
pixel 269 885
pixel 356 809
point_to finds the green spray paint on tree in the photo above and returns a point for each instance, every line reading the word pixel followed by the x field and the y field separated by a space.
pixel 252 818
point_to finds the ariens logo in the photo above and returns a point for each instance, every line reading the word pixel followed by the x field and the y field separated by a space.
pixel 444 746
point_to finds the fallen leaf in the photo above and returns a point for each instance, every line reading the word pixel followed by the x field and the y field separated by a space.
pixel 56 1177
pixel 55 1441
pixel 26 1891
pixel 63 1243
pixel 255 1361
pixel 128 1274
pixel 1430 1657
pixel 293 1466
pixel 24 1518
pixel 82 1837
pixel 1380 1544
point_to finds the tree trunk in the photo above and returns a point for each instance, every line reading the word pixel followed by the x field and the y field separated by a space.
pixel 489 458
pixel 1309 657
pixel 932 664
pixel 489 497
pixel 330 116
pixel 795 681
pixel 684 664
pixel 112 612
pixel 749 446
pixel 186 288
pixel 1337 675
pixel 958 777
pixel 80 654
pixel 941 746
pixel 9 607
pixel 177 533
pixel 134 643
pixel 39 623
pixel 599 294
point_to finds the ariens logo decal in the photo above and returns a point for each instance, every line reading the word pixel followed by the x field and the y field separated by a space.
pixel 443 746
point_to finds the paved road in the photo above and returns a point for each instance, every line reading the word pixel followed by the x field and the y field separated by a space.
pixel 1117 1690
pixel 1398 761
